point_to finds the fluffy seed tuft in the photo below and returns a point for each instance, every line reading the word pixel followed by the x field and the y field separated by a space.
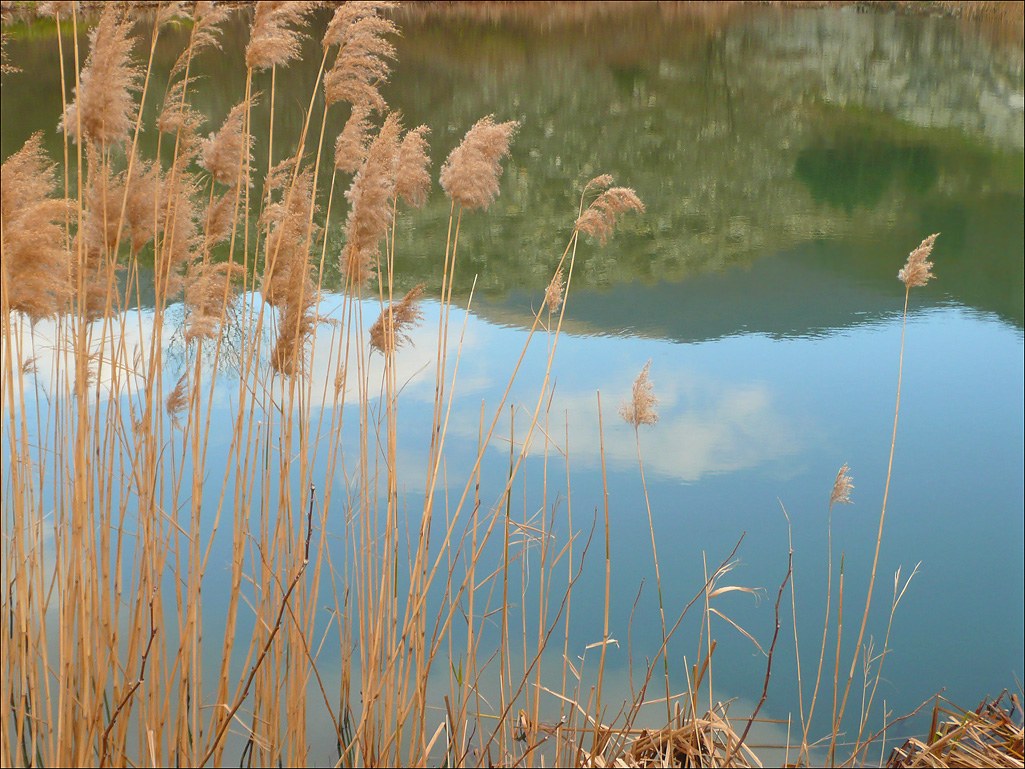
pixel 918 269
pixel 640 408
pixel 470 174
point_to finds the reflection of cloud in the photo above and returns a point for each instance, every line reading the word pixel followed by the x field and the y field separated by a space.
pixel 415 361
pixel 705 426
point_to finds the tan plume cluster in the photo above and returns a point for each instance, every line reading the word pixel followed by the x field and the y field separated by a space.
pixel 176 114
pixel 287 284
pixel 639 409
pixel 273 41
pixel 105 196
pixel 225 151
pixel 208 296
pixel 351 144
pixel 918 269
pixel 104 105
pixel 219 219
pixel 371 190
pixel 179 239
pixel 553 294
pixel 389 331
pixel 34 255
pixel 600 217
pixel 363 53
pixel 287 246
pixel 842 487
pixel 470 174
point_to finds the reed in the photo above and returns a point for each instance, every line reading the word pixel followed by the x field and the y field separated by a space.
pixel 118 648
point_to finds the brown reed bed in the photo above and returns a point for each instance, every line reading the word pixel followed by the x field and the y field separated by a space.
pixel 990 735
pixel 110 517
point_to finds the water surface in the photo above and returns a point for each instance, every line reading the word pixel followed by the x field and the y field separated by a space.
pixel 788 161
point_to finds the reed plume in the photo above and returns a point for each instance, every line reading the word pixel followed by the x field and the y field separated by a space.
pixel 225 151
pixel 177 399
pixel 600 217
pixel 206 20
pixel 371 190
pixel 176 221
pixel 842 487
pixel 104 103
pixel 389 331
pixel 471 172
pixel 554 292
pixel 286 247
pixel 413 178
pixel 273 41
pixel 351 144
pixel 176 114
pixel 917 271
pixel 219 219
pixel 208 286
pixel 35 259
pixel 639 409
pixel 287 283
pixel 363 53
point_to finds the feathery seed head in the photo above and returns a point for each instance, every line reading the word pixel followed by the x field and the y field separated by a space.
pixel 470 174
pixel 389 331
pixel 33 233
pixel 361 63
pixel 273 41
pixel 600 217
pixel 413 179
pixel 371 190
pixel 918 269
pixel 177 399
pixel 104 103
pixel 553 294
pixel 351 144
pixel 225 151
pixel 640 408
pixel 842 487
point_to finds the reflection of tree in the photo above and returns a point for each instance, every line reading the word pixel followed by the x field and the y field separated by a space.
pixel 851 171
pixel 735 128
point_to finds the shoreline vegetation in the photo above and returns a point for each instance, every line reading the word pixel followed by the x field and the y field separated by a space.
pixel 110 515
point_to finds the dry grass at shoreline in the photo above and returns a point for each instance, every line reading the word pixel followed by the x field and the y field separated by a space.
pixel 110 517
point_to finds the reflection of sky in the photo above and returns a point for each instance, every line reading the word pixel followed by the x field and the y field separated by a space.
pixel 744 420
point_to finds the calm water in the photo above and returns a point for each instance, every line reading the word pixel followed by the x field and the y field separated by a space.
pixel 788 162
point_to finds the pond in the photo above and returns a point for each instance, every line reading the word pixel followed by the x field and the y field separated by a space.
pixel 788 161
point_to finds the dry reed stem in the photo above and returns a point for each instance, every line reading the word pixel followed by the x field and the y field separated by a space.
pixel 916 272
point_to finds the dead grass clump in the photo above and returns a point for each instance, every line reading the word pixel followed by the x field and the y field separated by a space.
pixel 991 735
pixel 706 741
